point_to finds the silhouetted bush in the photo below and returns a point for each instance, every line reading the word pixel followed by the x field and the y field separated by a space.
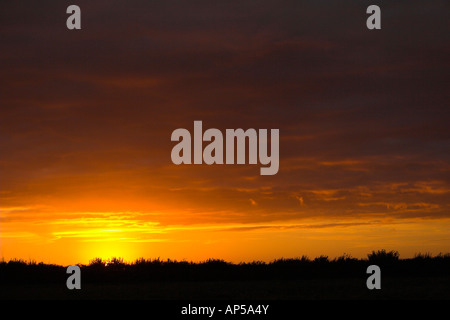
pixel 345 258
pixel 97 262
pixel 321 259
pixel 381 256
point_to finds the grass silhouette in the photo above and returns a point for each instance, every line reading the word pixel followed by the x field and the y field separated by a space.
pixel 423 276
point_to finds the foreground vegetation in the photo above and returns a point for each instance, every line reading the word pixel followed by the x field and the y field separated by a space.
pixel 424 276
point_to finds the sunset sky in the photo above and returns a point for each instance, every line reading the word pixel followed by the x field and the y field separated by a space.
pixel 86 118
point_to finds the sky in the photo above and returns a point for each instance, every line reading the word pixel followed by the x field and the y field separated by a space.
pixel 86 118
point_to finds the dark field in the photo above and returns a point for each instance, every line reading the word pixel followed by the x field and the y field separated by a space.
pixel 392 288
pixel 423 277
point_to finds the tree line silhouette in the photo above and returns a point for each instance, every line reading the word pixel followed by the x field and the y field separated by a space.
pixel 116 270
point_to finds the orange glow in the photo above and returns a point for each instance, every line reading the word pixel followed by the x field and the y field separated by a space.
pixel 80 237
pixel 194 220
pixel 86 118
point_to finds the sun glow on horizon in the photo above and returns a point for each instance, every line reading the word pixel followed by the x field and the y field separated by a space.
pixel 79 237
